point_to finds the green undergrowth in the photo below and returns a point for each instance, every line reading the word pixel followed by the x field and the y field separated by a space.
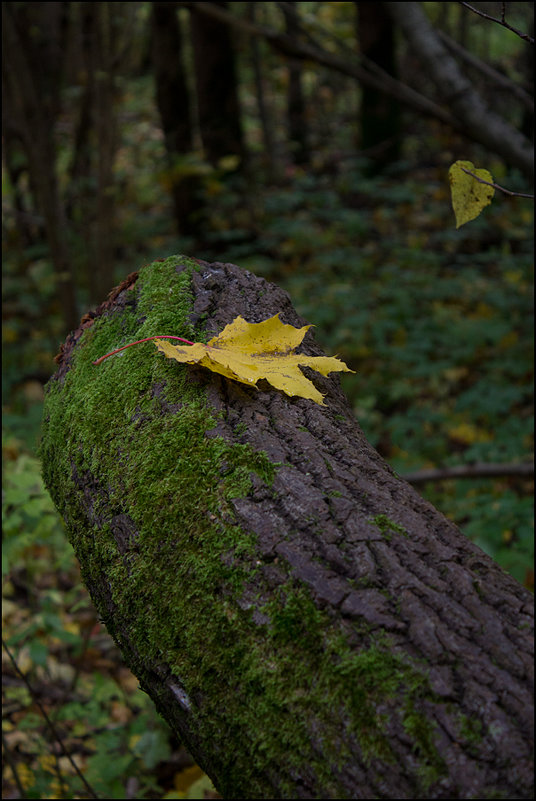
pixel 107 725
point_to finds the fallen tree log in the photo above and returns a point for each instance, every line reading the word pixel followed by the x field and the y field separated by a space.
pixel 301 617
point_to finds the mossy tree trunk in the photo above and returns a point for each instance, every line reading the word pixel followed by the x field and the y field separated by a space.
pixel 305 621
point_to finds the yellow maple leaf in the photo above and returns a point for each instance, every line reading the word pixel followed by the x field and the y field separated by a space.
pixel 469 196
pixel 247 352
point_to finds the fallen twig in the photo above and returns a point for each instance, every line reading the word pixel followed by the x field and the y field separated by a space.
pixel 478 470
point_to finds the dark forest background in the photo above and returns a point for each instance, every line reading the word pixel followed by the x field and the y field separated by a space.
pixel 308 142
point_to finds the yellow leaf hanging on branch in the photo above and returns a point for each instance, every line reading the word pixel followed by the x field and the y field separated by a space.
pixel 248 352
pixel 469 195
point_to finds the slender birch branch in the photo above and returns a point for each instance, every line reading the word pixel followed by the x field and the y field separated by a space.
pixel 496 186
pixel 501 21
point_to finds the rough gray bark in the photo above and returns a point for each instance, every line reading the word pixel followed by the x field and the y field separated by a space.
pixel 479 122
pixel 305 621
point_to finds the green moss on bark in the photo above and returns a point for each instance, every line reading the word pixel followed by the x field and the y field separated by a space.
pixel 387 526
pixel 180 583
pixel 160 469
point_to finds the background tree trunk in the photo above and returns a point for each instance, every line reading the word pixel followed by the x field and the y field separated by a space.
pixel 216 82
pixel 265 113
pixel 34 45
pixel 307 623
pixel 527 70
pixel 99 44
pixel 173 102
pixel 296 111
pixel 29 224
pixel 106 31
pixel 79 201
pixel 380 113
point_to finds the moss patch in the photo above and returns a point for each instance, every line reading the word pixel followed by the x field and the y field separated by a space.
pixel 353 694
pixel 158 468
pixel 387 526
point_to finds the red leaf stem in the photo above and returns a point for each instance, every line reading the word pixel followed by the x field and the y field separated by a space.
pixel 138 341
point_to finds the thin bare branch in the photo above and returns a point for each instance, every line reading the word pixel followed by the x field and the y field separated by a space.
pixel 501 21
pixel 479 470
pixel 496 186
pixel 12 764
pixel 494 75
pixel 49 723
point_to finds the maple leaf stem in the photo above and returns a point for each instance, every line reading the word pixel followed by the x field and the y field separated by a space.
pixel 139 341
